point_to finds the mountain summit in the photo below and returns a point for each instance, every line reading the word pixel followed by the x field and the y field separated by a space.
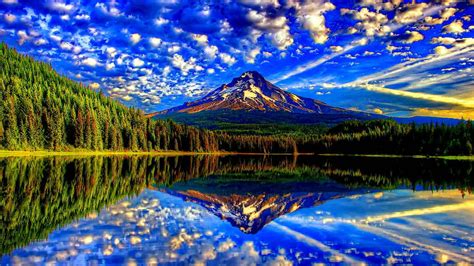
pixel 252 92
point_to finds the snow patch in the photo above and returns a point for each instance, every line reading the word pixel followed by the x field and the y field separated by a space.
pixel 249 94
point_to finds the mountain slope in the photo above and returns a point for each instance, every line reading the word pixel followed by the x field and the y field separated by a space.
pixel 250 99
pixel 251 92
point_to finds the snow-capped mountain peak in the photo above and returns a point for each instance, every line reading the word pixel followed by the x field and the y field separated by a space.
pixel 252 92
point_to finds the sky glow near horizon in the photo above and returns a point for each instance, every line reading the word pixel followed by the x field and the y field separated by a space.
pixel 393 57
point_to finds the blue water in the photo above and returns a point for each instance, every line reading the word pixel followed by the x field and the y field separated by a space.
pixel 395 227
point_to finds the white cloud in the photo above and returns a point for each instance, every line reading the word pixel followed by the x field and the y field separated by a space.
pixel 200 38
pixel 311 16
pixel 40 41
pixel 82 17
pixel 166 71
pixel 276 28
pixel 456 27
pixel 66 46
pixel 108 9
pixel 440 50
pixel 392 48
pixel 94 85
pixel 211 51
pixel 460 42
pixel 227 59
pixel 336 49
pixel 185 66
pixel 160 21
pixel 92 62
pixel 413 36
pixel 174 49
pixel 210 71
pixel 137 62
pixel 9 18
pixel 444 15
pixel 110 66
pixel 10 2
pixel 135 38
pixel 252 54
pixel 155 42
pixel 261 3
pixel 59 6
pixel 372 23
pixel 411 13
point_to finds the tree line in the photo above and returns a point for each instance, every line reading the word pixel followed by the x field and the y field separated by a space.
pixel 390 137
pixel 42 110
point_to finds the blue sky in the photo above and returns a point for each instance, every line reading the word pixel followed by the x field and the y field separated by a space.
pixel 393 57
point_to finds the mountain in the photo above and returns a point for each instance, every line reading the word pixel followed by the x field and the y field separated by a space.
pixel 250 213
pixel 251 92
pixel 251 99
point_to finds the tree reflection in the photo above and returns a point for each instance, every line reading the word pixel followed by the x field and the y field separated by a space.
pixel 40 194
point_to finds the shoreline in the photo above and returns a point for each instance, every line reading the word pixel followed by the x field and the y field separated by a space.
pixel 7 153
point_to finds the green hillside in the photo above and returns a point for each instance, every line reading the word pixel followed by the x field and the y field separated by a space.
pixel 42 110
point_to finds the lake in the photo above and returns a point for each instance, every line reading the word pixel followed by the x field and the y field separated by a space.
pixel 236 210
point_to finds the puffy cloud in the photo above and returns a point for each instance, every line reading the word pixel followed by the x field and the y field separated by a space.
pixel 336 49
pixel 89 61
pixel 252 54
pixel 109 66
pixel 410 13
pixel 311 16
pixel 200 38
pixel 456 27
pixel 160 21
pixel 66 46
pixel 94 85
pixel 227 59
pixel 377 111
pixel 261 3
pixel 444 15
pixel 441 50
pixel 277 28
pixel 59 6
pixel 10 2
pixel 137 62
pixel 40 41
pixel 392 48
pixel 211 51
pixel 372 23
pixel 9 18
pixel 135 38
pixel 155 42
pixel 461 42
pixel 413 36
pixel 173 49
pixel 185 66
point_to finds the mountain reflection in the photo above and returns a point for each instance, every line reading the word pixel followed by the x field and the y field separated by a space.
pixel 40 194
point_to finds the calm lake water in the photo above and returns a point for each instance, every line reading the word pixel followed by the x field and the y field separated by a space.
pixel 236 210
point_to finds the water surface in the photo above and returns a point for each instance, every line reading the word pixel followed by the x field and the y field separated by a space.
pixel 236 210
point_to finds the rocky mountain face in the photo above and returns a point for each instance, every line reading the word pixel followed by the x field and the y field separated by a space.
pixel 252 92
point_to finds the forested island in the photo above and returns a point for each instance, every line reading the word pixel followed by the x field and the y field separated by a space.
pixel 42 110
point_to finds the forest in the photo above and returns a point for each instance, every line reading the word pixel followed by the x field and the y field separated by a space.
pixel 42 110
